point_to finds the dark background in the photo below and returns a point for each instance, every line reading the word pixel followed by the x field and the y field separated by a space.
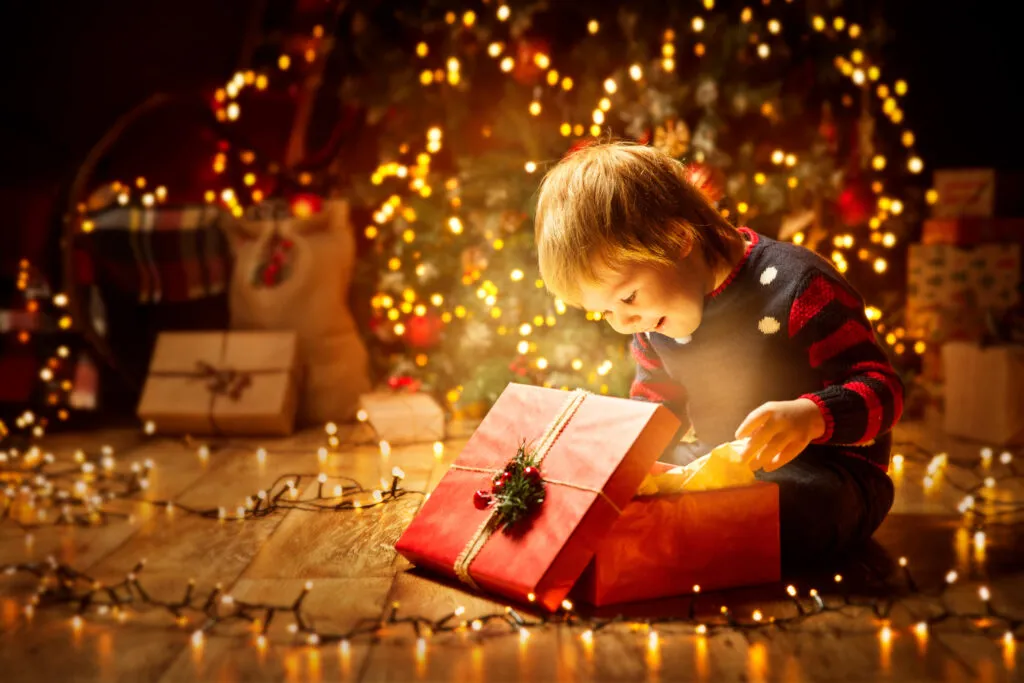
pixel 73 67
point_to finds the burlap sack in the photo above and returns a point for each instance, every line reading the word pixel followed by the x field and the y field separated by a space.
pixel 311 299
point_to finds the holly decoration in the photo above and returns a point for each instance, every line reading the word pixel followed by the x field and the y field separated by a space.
pixel 276 263
pixel 481 499
pixel 499 481
pixel 516 492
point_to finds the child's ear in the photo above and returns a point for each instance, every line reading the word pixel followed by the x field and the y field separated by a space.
pixel 687 247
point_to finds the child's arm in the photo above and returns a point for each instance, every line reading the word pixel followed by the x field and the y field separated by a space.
pixel 652 383
pixel 862 397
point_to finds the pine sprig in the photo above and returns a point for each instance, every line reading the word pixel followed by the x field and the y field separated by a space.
pixel 522 493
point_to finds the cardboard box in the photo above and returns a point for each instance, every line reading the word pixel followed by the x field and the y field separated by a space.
pixel 666 545
pixel 984 400
pixel 590 513
pixel 978 192
pixel 950 289
pixel 968 232
pixel 222 383
pixel 403 417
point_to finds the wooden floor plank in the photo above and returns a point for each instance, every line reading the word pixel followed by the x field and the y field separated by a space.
pixel 348 544
pixel 52 649
pixel 229 659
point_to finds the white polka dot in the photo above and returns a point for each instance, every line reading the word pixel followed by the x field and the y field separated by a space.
pixel 768 325
pixel 768 275
pixel 683 340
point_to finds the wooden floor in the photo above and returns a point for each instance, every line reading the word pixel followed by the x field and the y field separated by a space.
pixel 356 575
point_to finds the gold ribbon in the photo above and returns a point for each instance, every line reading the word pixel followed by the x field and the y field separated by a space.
pixel 489 525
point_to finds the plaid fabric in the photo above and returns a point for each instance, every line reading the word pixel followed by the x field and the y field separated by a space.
pixel 164 254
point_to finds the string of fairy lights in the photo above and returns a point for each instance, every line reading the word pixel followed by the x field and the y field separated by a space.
pixel 80 491
pixel 65 586
pixel 39 493
pixel 55 374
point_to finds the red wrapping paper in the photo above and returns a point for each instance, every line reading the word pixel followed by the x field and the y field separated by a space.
pixel 968 232
pixel 665 545
pixel 609 445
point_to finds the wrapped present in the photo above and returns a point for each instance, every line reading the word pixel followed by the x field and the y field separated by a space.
pixel 950 290
pixel 968 232
pixel 983 397
pixel 590 455
pixel 724 532
pixel 666 545
pixel 977 192
pixel 222 383
pixel 403 417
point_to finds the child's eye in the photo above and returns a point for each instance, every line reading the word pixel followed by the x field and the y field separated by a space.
pixel 630 299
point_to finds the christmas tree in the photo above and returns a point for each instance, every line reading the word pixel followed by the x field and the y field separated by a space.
pixel 781 112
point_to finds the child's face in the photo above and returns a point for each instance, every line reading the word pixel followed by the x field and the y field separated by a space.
pixel 651 298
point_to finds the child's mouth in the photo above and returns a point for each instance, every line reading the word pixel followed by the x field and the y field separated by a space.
pixel 661 322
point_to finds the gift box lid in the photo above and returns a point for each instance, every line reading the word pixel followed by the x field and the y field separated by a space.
pixel 247 351
pixel 400 404
pixel 592 470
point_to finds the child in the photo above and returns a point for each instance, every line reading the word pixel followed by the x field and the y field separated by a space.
pixel 740 335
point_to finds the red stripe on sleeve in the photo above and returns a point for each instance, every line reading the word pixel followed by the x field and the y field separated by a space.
pixel 874 404
pixel 870 366
pixel 895 388
pixel 849 335
pixel 658 392
pixel 818 294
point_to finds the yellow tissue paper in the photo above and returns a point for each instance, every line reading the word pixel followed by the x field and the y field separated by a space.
pixel 721 468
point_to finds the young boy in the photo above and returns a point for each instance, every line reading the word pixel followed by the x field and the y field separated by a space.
pixel 740 335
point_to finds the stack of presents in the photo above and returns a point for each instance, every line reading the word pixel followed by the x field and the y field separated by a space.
pixel 963 298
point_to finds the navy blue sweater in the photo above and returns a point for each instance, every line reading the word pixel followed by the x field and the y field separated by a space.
pixel 784 325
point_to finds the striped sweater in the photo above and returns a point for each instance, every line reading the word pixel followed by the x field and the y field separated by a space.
pixel 785 324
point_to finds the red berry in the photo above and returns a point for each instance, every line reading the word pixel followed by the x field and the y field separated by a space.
pixel 498 484
pixel 481 499
pixel 286 244
pixel 532 474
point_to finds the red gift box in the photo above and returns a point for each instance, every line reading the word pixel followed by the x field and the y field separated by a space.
pixel 592 471
pixel 968 232
pixel 666 545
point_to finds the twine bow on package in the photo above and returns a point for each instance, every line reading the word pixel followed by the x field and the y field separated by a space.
pixel 543 503
pixel 222 383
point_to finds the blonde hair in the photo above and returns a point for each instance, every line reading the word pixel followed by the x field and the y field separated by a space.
pixel 618 203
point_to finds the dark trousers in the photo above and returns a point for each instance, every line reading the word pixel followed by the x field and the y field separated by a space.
pixel 829 504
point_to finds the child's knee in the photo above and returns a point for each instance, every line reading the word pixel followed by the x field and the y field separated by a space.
pixel 825 507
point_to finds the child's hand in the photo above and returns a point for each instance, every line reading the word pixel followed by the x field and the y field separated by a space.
pixel 779 431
